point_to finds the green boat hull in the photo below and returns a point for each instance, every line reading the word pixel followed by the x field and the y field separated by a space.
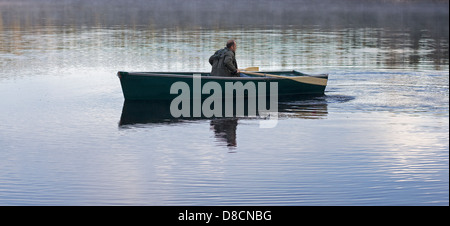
pixel 157 85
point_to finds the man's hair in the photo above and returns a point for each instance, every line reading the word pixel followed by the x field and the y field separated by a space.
pixel 230 43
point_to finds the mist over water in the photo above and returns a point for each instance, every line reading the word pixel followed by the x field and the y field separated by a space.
pixel 379 135
pixel 235 13
pixel 397 32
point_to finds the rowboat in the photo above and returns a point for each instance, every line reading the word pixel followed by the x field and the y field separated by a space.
pixel 160 85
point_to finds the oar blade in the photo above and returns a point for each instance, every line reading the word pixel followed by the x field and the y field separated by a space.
pixel 252 69
pixel 310 80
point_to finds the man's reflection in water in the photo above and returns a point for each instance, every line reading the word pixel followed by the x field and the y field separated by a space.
pixel 225 130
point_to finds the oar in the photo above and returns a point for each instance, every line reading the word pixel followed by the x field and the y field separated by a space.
pixel 251 69
pixel 303 79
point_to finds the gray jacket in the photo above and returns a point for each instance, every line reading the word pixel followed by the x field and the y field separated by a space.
pixel 223 63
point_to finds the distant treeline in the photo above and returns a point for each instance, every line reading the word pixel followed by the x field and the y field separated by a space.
pixel 230 13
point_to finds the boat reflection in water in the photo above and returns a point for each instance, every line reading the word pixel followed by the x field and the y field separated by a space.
pixel 147 113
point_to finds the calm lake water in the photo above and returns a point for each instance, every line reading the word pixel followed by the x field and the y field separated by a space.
pixel 379 135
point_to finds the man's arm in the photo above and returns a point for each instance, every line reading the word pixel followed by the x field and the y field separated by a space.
pixel 228 61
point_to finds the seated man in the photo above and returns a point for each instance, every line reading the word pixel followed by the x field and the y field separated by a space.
pixel 224 61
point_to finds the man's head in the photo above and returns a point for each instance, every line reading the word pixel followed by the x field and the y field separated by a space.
pixel 231 44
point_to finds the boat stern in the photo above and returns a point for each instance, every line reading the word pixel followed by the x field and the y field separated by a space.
pixel 122 74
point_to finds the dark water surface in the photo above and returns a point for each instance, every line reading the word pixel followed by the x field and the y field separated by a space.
pixel 379 135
